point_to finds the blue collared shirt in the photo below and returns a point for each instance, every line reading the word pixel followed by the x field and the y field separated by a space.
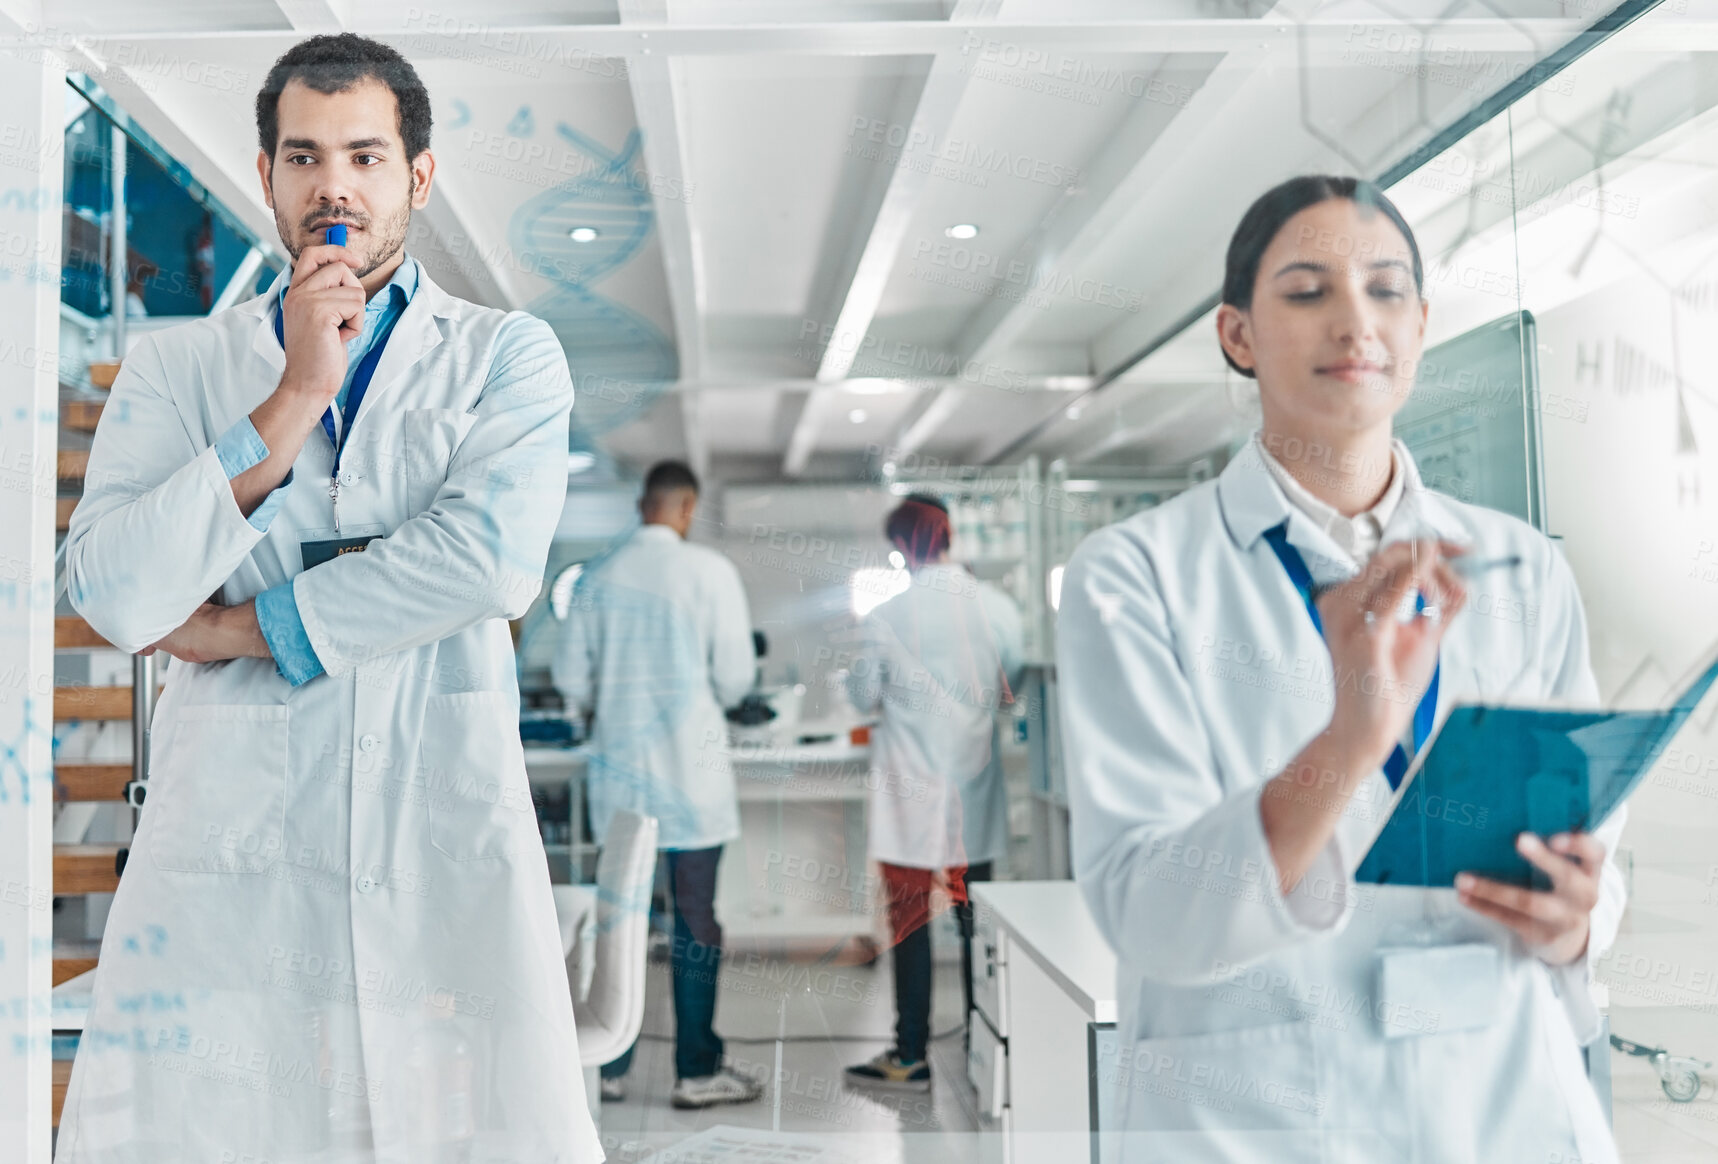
pixel 241 447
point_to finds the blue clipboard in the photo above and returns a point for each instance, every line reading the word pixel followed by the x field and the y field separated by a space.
pixel 1493 772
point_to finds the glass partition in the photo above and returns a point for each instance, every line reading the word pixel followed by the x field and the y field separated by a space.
pixel 182 246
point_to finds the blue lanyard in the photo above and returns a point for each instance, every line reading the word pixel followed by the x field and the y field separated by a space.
pixel 354 393
pixel 1396 766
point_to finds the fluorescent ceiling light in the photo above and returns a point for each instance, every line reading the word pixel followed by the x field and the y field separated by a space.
pixel 873 386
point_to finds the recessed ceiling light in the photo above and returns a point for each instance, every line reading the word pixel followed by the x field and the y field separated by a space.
pixel 961 230
pixel 583 234
pixel 857 416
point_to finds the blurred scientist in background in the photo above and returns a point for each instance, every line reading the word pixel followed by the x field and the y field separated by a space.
pixel 935 661
pixel 657 642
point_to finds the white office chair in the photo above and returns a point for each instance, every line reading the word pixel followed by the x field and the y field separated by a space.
pixel 612 1012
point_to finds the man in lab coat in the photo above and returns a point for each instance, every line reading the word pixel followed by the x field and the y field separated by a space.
pixel 334 939
pixel 935 661
pixel 657 642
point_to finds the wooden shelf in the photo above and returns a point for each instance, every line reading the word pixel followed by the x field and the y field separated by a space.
pixel 72 632
pixel 93 781
pixel 62 1081
pixel 73 958
pixel 98 703
pixel 81 415
pixel 86 869
pixel 73 464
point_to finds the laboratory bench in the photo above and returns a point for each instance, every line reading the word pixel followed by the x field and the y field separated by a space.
pixel 796 880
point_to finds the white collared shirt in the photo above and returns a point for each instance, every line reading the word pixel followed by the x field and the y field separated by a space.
pixel 1357 536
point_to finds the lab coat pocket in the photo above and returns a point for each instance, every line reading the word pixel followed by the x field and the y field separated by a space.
pixel 472 767
pixel 217 798
pixel 432 436
pixel 1240 1096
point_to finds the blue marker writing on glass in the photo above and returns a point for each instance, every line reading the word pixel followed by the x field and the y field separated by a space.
pixel 336 235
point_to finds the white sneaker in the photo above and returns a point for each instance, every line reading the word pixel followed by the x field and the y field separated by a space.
pixel 614 1090
pixel 724 1086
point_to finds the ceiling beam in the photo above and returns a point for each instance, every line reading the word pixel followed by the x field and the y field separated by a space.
pixel 20 17
pixel 426 35
pixel 316 15
pixel 1148 148
pixel 863 275
pixel 656 104
pixel 805 429
pixel 1142 153
pixel 940 405
pixel 868 274
pixel 1066 385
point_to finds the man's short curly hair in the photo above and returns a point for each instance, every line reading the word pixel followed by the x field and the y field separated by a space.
pixel 332 64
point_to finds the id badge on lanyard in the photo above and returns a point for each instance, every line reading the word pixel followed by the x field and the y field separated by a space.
pixel 324 545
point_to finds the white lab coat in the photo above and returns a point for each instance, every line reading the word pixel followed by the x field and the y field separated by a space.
pixel 936 661
pixel 335 925
pixel 657 642
pixel 1190 673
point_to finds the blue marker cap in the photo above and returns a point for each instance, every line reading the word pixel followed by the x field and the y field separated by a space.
pixel 336 235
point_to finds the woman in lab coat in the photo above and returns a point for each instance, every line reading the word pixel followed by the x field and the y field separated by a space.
pixel 1226 760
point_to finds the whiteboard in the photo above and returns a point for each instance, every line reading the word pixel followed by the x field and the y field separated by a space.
pixel 1472 421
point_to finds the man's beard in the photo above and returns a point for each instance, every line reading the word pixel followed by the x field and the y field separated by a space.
pixel 385 242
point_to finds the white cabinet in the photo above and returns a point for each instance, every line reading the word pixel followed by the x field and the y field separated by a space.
pixel 1044 991
pixel 989 957
pixel 987 1069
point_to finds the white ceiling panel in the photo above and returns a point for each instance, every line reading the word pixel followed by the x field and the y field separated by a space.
pixel 774 155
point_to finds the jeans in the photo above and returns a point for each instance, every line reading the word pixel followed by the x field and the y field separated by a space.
pixel 696 963
pixel 909 893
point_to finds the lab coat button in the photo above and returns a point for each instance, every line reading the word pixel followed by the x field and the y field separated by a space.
pixel 366 884
pixel 368 743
